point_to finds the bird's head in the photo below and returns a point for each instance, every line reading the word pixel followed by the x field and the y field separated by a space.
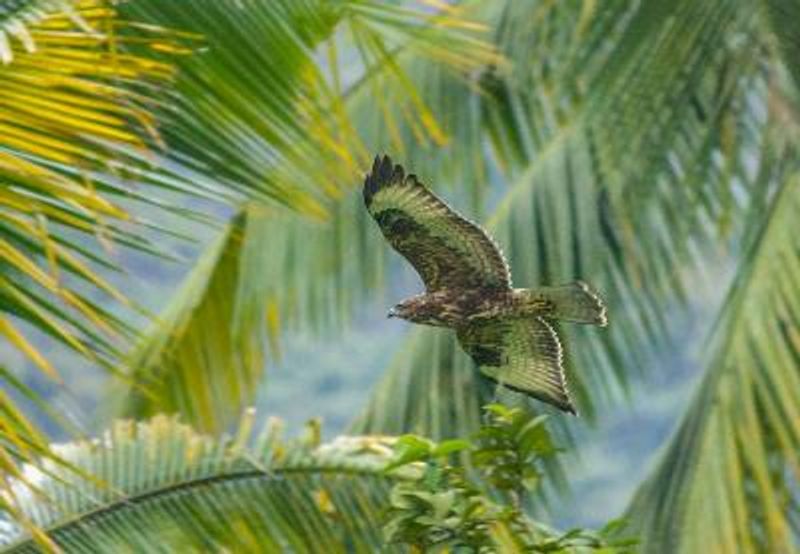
pixel 419 309
pixel 403 310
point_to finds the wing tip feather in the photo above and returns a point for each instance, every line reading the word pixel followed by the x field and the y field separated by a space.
pixel 384 173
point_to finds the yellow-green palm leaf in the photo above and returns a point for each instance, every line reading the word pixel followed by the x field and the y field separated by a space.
pixel 74 120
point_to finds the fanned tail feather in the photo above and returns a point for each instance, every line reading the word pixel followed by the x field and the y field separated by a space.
pixel 574 302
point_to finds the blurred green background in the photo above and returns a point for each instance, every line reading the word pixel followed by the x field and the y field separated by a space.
pixel 183 232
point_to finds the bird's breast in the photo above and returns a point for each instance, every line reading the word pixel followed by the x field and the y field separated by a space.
pixel 487 304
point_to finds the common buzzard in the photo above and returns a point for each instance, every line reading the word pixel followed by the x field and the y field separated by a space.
pixel 505 330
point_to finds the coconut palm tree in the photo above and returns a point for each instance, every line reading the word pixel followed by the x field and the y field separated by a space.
pixel 647 147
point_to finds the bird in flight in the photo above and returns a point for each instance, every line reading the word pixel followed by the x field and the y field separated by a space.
pixel 506 331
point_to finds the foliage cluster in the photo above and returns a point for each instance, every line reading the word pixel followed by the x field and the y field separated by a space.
pixel 477 500
pixel 259 492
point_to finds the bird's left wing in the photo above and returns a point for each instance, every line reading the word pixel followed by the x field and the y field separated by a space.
pixel 447 250
pixel 523 354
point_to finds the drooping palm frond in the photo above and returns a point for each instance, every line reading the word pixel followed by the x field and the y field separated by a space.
pixel 68 114
pixel 75 122
pixel 728 479
pixel 162 486
pixel 269 90
pixel 600 174
pixel 190 363
pixel 191 334
pixel 281 268
pixel 205 354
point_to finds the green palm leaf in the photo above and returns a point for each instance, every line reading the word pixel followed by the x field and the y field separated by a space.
pixel 724 483
pixel 575 206
pixel 279 268
pixel 160 483
pixel 269 90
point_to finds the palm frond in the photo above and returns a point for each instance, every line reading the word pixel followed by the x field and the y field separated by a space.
pixel 67 113
pixel 281 269
pixel 728 478
pixel 170 366
pixel 20 442
pixel 576 205
pixel 161 485
pixel 75 120
pixel 779 16
pixel 204 355
pixel 263 96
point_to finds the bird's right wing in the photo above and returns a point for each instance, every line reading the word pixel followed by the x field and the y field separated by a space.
pixel 447 250
pixel 523 354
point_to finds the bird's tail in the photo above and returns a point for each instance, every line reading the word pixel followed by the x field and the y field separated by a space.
pixel 575 302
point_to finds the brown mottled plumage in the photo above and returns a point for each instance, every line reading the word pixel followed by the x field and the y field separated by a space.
pixel 468 288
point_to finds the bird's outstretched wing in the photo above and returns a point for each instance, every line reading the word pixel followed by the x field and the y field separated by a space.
pixel 521 354
pixel 447 250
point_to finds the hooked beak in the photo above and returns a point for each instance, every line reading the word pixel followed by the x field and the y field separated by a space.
pixel 392 313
